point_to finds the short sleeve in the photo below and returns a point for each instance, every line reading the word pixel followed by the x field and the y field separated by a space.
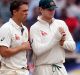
pixel 5 36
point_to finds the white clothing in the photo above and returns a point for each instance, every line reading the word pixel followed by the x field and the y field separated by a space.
pixel 45 42
pixel 8 71
pixel 45 39
pixel 50 70
pixel 11 36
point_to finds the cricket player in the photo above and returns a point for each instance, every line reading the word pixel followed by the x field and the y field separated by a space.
pixel 50 39
pixel 14 41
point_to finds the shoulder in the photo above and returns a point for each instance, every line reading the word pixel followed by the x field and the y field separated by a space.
pixel 5 29
pixel 6 26
pixel 35 25
pixel 61 23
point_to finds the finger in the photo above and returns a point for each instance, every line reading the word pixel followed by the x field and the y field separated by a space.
pixel 63 38
pixel 63 34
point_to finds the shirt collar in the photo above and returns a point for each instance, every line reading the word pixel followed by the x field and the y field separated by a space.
pixel 14 24
pixel 43 21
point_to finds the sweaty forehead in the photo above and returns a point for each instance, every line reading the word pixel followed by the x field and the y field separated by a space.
pixel 24 6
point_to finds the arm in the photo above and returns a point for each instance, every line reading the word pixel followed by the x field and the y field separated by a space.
pixel 37 45
pixel 5 43
pixel 69 43
pixel 7 52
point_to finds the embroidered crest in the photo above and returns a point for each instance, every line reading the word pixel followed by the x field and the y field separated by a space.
pixel 17 37
pixel 43 33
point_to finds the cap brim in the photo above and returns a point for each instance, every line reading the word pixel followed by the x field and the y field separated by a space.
pixel 52 8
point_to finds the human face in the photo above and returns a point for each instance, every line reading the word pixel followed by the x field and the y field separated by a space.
pixel 22 13
pixel 47 14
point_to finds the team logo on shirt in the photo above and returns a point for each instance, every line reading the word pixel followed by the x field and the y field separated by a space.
pixel 17 37
pixel 43 33
pixel 2 38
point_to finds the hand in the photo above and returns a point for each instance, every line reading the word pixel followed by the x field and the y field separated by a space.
pixel 61 30
pixel 26 45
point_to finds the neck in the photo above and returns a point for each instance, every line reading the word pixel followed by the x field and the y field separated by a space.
pixel 47 20
pixel 17 21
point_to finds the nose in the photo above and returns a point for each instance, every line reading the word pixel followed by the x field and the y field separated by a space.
pixel 52 11
pixel 26 13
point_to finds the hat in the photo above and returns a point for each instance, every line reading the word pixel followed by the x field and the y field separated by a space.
pixel 47 4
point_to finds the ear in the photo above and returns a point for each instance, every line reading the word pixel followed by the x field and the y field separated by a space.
pixel 14 12
pixel 41 10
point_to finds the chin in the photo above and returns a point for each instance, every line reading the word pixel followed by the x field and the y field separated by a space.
pixel 50 17
pixel 24 19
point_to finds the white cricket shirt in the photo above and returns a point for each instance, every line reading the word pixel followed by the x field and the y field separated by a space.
pixel 11 36
pixel 45 41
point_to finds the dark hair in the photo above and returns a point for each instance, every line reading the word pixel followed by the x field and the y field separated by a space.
pixel 15 4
